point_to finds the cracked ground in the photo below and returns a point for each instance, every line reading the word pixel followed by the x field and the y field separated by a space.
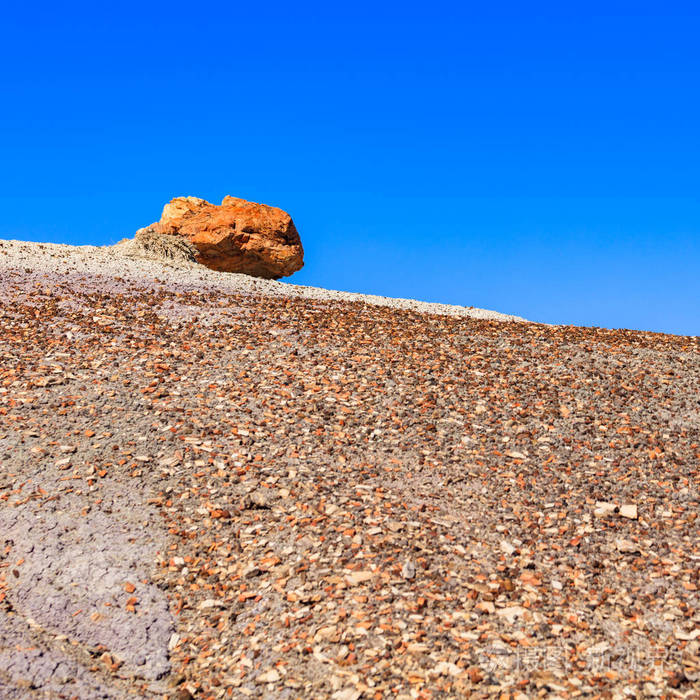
pixel 212 495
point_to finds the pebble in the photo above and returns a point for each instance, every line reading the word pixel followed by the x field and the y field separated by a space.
pixel 408 571
pixel 629 511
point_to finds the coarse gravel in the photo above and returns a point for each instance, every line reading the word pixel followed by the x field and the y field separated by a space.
pixel 214 486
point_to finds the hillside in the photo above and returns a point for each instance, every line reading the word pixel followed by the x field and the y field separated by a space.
pixel 213 486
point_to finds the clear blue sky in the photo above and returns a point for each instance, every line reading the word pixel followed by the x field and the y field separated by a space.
pixel 541 159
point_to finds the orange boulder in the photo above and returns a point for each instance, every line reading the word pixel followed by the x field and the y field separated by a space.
pixel 237 236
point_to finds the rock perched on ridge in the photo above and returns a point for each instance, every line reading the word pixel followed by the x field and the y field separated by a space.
pixel 237 236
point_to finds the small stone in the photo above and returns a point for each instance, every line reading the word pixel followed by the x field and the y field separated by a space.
pixel 626 546
pixel 445 668
pixel 687 636
pixel 346 694
pixel 603 509
pixel 176 679
pixel 629 510
pixel 598 649
pixel 327 634
pixel 475 675
pixel 507 547
pixel 358 577
pixel 252 571
pixel 219 513
pixel 408 571
pixel 183 694
pixel 269 676
pixel 511 613
pixel 417 648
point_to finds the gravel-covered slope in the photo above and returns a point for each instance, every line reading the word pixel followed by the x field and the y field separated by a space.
pixel 127 262
pixel 211 491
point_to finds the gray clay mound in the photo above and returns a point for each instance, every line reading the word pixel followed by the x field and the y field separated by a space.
pixel 157 246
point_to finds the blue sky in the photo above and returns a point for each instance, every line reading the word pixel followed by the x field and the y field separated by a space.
pixel 541 159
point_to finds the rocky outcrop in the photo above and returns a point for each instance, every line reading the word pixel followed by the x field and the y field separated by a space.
pixel 156 246
pixel 237 236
